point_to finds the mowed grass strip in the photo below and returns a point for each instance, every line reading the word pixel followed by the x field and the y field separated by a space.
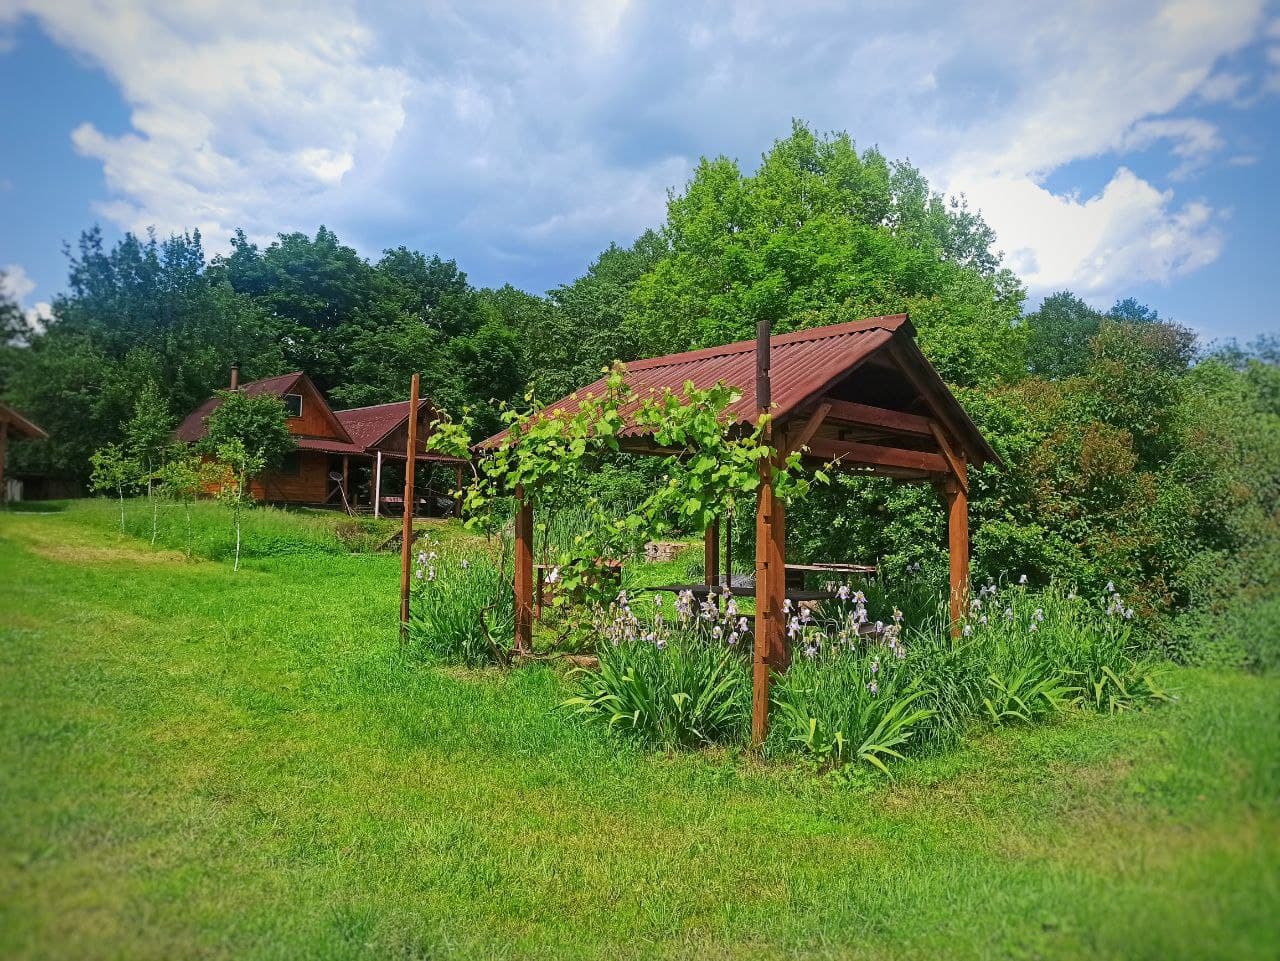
pixel 196 763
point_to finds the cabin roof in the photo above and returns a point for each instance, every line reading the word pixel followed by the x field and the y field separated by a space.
pixel 368 425
pixel 20 425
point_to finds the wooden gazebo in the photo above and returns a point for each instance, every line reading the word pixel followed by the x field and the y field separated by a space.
pixel 858 395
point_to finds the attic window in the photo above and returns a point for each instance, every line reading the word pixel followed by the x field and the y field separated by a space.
pixel 293 405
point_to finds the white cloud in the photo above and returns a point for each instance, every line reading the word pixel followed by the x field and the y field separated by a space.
pixel 1126 234
pixel 1224 87
pixel 529 134
pixel 241 116
pixel 1101 88
pixel 15 283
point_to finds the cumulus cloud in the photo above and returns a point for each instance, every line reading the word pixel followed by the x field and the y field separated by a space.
pixel 17 285
pixel 525 137
pixel 241 116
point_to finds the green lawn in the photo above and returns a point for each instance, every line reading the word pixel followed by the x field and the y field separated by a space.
pixel 196 763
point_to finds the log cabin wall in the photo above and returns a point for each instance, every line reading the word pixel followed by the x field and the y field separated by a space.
pixel 317 419
pixel 310 485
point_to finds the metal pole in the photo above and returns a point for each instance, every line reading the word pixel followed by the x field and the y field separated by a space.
pixel 406 546
pixel 377 486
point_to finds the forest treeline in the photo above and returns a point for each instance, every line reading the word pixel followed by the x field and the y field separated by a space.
pixel 1134 453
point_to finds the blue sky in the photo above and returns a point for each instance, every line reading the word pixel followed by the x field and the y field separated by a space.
pixel 1118 149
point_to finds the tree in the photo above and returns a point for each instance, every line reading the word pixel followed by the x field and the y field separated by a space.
pixel 148 435
pixel 822 233
pixel 181 480
pixel 232 470
pixel 316 289
pixel 114 470
pixel 1059 334
pixel 257 422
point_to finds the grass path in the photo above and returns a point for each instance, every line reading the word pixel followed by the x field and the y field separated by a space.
pixel 201 764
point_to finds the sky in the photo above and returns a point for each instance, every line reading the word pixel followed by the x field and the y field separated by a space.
pixel 1118 149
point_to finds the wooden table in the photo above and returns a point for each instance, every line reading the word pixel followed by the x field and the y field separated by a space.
pixel 700 591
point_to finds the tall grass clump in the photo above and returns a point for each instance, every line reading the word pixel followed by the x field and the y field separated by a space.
pixel 679 679
pixel 871 691
pixel 462 609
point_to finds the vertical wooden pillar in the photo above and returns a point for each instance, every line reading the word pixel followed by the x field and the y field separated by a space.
pixel 457 488
pixel 377 485
pixel 4 452
pixel 348 501
pixel 957 499
pixel 771 627
pixel 770 570
pixel 711 554
pixel 728 549
pixel 406 534
pixel 524 573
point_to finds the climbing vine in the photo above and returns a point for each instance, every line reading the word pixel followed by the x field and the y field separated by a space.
pixel 712 463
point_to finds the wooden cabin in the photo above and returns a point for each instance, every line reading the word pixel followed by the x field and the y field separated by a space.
pixel 340 455
pixel 14 425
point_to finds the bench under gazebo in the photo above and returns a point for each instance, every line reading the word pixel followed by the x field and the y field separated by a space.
pixel 859 396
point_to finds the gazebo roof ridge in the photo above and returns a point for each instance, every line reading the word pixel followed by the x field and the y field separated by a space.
pixel 889 322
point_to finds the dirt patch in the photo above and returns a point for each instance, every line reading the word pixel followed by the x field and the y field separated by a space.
pixel 98 554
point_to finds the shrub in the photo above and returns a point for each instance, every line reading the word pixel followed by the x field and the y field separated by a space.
pixel 462 609
pixel 863 690
pixel 682 681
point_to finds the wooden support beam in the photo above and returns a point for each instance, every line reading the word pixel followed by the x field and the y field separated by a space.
pixel 810 426
pixel 771 572
pixel 406 534
pixel 958 469
pixel 711 554
pixel 4 452
pixel 853 453
pixel 524 573
pixel 864 415
pixel 377 485
pixel 909 364
pixel 728 549
pixel 957 499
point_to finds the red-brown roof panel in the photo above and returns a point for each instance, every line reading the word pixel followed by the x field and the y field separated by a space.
pixel 193 426
pixel 368 425
pixel 803 365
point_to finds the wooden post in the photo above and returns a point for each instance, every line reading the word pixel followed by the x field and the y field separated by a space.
pixel 4 452
pixel 524 573
pixel 770 640
pixel 957 499
pixel 711 554
pixel 771 578
pixel 347 498
pixel 406 546
pixel 728 549
pixel 377 486
pixel 457 488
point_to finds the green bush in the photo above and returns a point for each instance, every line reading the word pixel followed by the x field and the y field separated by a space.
pixel 678 680
pixel 867 686
pixel 462 610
